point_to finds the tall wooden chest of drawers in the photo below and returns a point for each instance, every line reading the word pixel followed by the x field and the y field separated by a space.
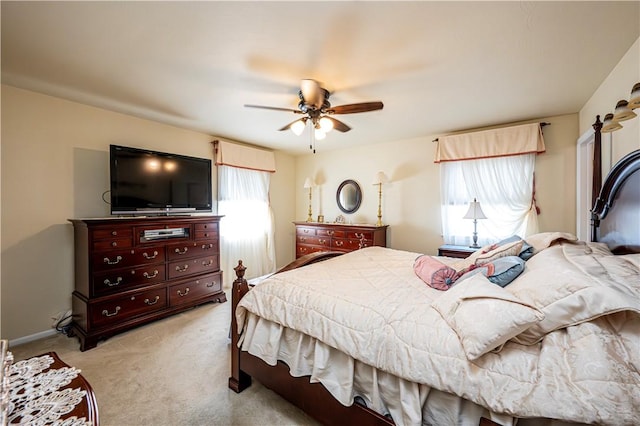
pixel 315 236
pixel 130 271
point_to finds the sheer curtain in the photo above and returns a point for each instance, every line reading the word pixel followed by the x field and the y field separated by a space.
pixel 504 188
pixel 246 230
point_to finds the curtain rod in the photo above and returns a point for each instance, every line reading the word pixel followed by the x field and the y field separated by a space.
pixel 542 124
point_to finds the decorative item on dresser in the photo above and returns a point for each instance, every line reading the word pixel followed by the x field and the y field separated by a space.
pixel 315 237
pixel 449 250
pixel 130 271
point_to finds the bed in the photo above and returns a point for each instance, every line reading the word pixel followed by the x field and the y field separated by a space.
pixel 560 343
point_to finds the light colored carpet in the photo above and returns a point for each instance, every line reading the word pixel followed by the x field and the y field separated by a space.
pixel 170 372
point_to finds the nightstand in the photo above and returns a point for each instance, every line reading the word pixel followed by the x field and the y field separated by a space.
pixel 460 252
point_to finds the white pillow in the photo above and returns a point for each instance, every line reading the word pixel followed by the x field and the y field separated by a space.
pixel 484 315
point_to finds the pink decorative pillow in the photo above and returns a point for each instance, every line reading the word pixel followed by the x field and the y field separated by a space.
pixel 434 273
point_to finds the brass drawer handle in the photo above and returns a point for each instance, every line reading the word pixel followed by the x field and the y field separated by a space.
pixel 339 243
pixel 146 274
pixel 182 269
pixel 181 294
pixel 211 284
pixel 152 302
pixel 205 263
pixel 146 256
pixel 303 249
pixel 111 284
pixel 330 233
pixel 302 239
pixel 359 235
pixel 186 249
pixel 107 314
pixel 207 246
pixel 321 241
pixel 112 262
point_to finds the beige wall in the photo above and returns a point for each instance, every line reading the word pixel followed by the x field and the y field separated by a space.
pixel 55 157
pixel 615 87
pixel 411 200
pixel 54 166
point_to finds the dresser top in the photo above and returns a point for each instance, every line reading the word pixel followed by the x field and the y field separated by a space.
pixel 350 225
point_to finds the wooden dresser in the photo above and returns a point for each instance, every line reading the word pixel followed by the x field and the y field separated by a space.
pixel 314 236
pixel 130 271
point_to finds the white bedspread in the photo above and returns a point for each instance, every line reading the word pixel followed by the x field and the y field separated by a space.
pixel 370 305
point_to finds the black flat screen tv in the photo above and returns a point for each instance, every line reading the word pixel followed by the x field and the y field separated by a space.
pixel 156 183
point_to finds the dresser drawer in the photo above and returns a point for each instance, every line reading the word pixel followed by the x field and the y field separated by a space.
pixel 125 279
pixel 111 233
pixel 190 291
pixel 302 249
pixel 330 232
pixel 192 249
pixel 360 235
pixel 312 240
pixel 349 244
pixel 206 231
pixel 123 308
pixel 115 259
pixel 113 243
pixel 302 230
pixel 186 267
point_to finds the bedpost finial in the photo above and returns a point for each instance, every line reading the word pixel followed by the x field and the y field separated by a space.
pixel 240 269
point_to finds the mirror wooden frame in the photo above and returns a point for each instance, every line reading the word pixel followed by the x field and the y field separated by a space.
pixel 341 193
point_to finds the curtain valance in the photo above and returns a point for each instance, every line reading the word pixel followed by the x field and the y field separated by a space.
pixel 244 157
pixel 503 142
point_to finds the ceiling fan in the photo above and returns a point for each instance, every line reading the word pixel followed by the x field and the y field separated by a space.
pixel 315 106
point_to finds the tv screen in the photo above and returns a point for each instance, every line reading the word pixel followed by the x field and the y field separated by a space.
pixel 152 182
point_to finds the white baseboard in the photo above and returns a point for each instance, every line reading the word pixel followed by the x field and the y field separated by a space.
pixel 31 338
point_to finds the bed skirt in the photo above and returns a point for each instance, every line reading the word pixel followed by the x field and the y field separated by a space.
pixel 347 379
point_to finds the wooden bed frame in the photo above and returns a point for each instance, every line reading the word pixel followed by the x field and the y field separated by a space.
pixel 316 401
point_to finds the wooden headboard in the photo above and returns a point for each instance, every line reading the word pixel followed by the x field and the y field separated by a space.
pixel 615 216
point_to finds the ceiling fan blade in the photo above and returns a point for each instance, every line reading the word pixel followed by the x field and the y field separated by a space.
pixel 338 125
pixel 355 108
pixel 273 108
pixel 288 126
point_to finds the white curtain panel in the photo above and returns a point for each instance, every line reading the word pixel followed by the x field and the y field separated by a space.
pixel 246 230
pixel 504 188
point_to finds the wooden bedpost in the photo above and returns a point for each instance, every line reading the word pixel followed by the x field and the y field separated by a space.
pixel 239 380
pixel 597 175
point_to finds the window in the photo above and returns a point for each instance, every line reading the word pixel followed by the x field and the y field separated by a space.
pixel 496 167
pixel 246 230
pixel 504 188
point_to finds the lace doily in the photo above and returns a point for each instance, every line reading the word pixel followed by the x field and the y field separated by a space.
pixel 35 397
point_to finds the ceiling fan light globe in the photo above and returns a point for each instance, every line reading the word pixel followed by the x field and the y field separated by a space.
pixel 298 127
pixel 326 124
pixel 319 134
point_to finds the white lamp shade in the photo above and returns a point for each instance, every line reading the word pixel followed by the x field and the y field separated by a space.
pixel 380 178
pixel 475 211
pixel 319 134
pixel 326 124
pixel 634 100
pixel 298 127
pixel 622 111
pixel 610 125
pixel 308 183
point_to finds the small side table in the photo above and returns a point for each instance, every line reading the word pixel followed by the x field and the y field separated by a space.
pixel 460 252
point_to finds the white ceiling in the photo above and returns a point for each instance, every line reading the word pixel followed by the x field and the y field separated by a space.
pixel 437 66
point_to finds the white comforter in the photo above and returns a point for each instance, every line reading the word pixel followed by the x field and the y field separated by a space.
pixel 370 305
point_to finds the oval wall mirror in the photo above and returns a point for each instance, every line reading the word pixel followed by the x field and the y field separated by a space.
pixel 349 196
